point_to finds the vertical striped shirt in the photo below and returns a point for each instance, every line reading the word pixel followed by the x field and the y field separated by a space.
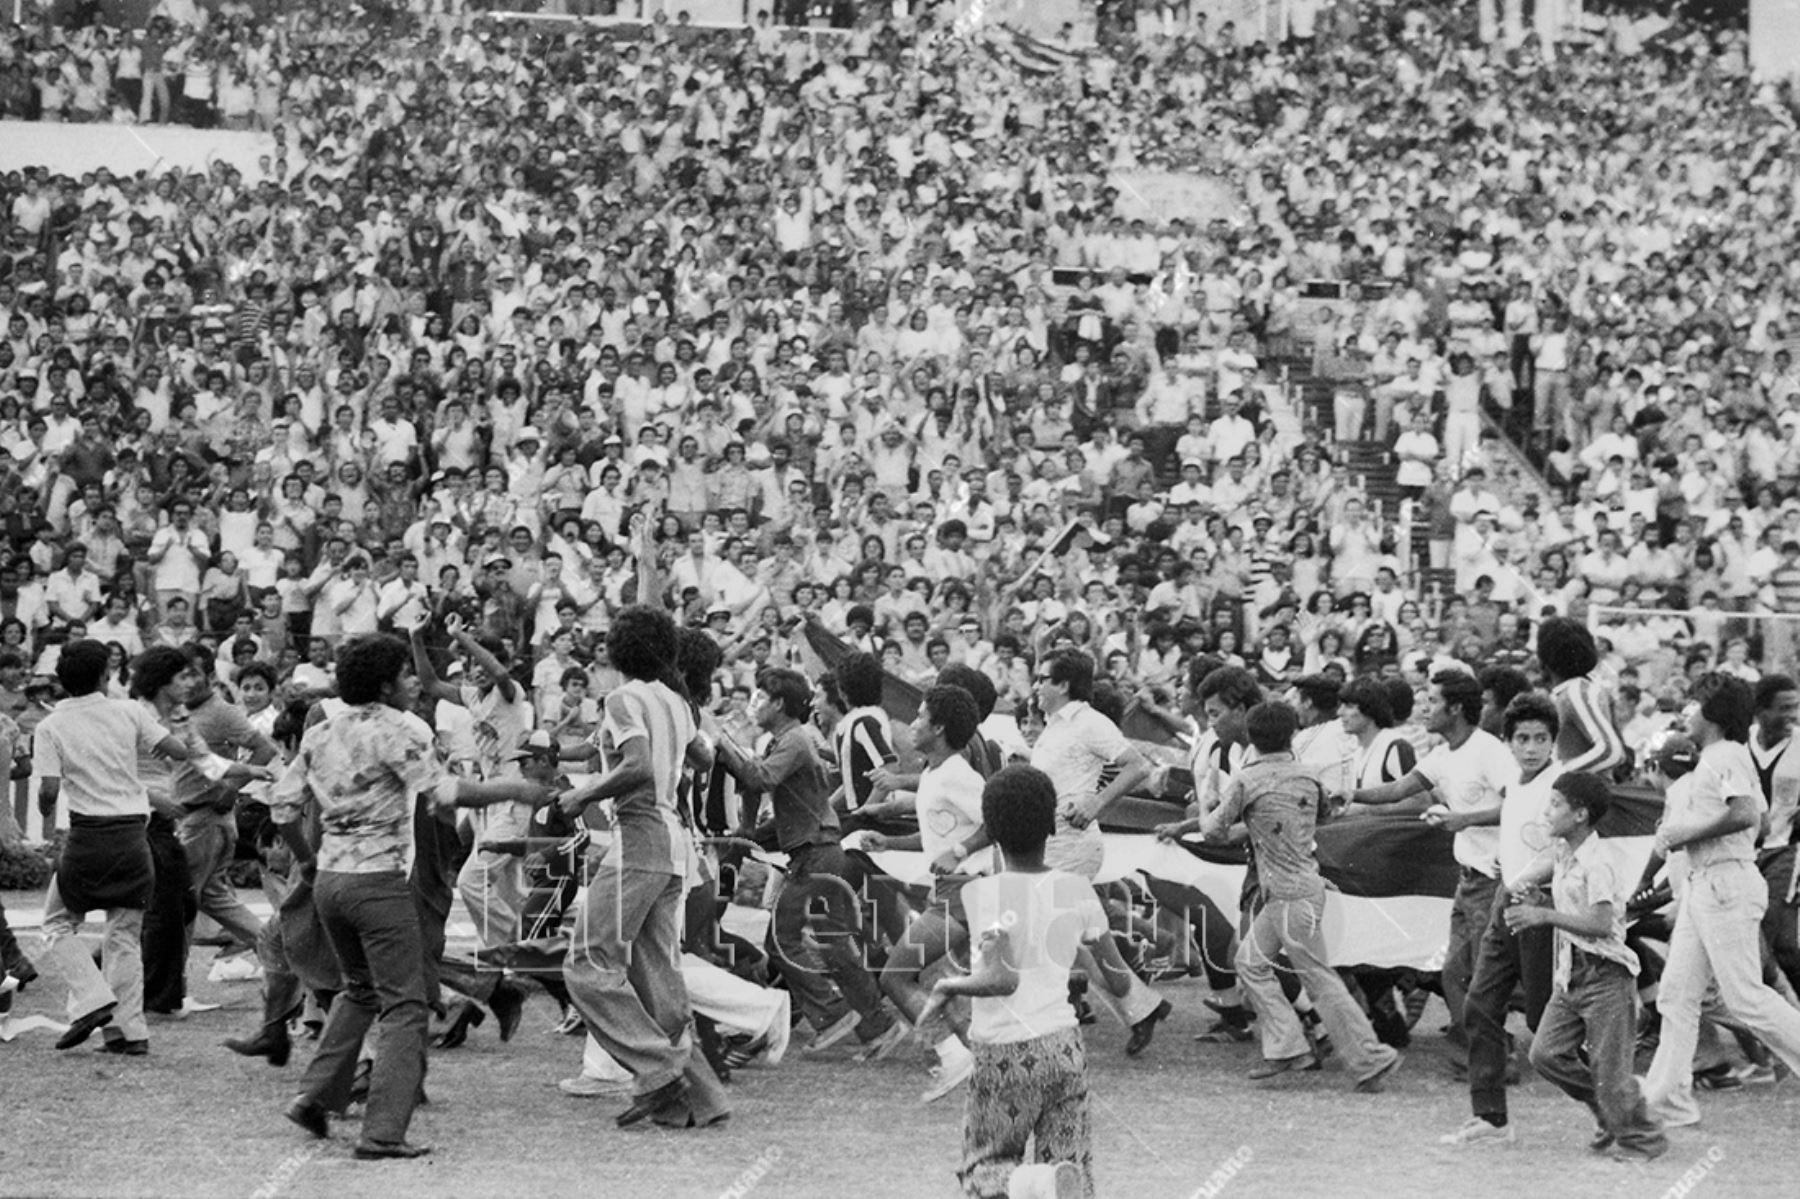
pixel 864 742
pixel 651 836
pixel 1587 739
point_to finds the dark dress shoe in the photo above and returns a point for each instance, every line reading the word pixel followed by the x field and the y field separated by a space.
pixel 274 1045
pixel 309 1117
pixel 85 1026
pixel 683 1117
pixel 663 1100
pixel 123 1048
pixel 374 1151
pixel 468 1015
pixel 1145 1029
pixel 508 1003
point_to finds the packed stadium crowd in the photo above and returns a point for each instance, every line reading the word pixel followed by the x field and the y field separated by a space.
pixel 855 344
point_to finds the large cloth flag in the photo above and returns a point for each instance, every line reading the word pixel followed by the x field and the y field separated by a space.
pixel 1392 877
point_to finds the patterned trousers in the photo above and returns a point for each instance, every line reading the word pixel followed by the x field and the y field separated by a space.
pixel 1024 1091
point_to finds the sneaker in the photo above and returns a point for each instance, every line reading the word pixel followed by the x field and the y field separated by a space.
pixel 1477 1131
pixel 949 1075
pixel 1754 1074
pixel 883 1046
pixel 586 1086
pixel 1717 1078
pixel 743 1049
pixel 844 1026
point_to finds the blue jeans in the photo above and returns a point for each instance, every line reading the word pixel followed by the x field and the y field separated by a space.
pixel 1598 1010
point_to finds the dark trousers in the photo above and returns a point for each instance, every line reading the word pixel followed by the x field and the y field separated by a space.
pixel 437 854
pixel 373 924
pixel 1781 920
pixel 1503 960
pixel 12 959
pixel 1469 914
pixel 167 919
pixel 820 896
pixel 1585 1045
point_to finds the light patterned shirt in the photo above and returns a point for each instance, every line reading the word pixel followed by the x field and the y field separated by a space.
pixel 1586 877
pixel 362 767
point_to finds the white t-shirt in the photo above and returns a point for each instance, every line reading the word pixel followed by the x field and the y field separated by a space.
pixel 1524 823
pixel 1046 917
pixel 949 806
pixel 1470 778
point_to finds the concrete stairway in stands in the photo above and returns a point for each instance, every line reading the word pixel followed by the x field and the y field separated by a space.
pixel 1373 463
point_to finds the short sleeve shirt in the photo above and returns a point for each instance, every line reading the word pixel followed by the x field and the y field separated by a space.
pixel 92 744
pixel 651 835
pixel 362 767
pixel 1583 878
pixel 1470 778
pixel 949 806
pixel 1076 746
pixel 1725 771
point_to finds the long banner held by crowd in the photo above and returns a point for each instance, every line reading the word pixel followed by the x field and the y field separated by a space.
pixel 1392 877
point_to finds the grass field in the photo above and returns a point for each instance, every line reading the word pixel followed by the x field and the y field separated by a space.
pixel 194 1120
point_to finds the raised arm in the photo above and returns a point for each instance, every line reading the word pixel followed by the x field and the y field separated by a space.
pixel 429 683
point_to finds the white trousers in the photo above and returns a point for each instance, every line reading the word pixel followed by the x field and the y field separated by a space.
pixel 1717 937
pixel 726 1000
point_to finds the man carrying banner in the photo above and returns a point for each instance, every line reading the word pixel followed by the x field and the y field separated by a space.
pixel 1469 772
pixel 1075 748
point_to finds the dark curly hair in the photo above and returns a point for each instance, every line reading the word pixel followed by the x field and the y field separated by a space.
pixel 1566 648
pixel 155 669
pixel 859 679
pixel 978 685
pixel 953 710
pixel 1018 806
pixel 642 643
pixel 368 663
pixel 697 656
